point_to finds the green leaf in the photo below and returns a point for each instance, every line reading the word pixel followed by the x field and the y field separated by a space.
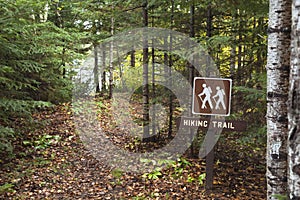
pixel 26 142
pixel 6 187
pixel 201 178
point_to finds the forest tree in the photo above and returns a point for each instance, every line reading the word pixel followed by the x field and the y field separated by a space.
pixel 277 90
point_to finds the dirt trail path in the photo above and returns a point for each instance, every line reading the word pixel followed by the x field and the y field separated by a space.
pixel 60 168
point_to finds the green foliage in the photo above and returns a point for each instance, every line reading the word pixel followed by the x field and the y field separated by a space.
pixel 12 109
pixel 201 177
pixel 253 97
pixel 36 61
pixel 6 138
pixel 155 174
pixel 117 173
pixel 36 55
pixel 16 108
pixel 43 142
pixel 139 198
pixel 6 187
pixel 280 197
pixel 180 165
pixel 256 137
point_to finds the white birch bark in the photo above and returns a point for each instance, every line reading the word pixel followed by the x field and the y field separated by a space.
pixel 44 13
pixel 294 106
pixel 277 90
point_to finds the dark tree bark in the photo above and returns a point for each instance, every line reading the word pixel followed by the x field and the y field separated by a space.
pixel 239 72
pixel 132 58
pixel 170 74
pixel 209 18
pixel 111 67
pixel 191 69
pixel 153 94
pixel 209 159
pixel 103 78
pixel 146 116
pixel 96 70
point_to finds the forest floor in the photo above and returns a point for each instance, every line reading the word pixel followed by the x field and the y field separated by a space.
pixel 52 163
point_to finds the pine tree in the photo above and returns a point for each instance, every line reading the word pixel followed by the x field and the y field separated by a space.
pixel 35 54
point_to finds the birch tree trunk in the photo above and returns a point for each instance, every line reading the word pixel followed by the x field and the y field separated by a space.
pixel 294 106
pixel 277 90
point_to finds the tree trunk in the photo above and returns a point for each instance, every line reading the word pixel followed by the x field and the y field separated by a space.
pixel 146 116
pixel 132 58
pixel 208 36
pixel 170 73
pixel 191 71
pixel 153 94
pixel 103 76
pixel 96 69
pixel 239 77
pixel 233 52
pixel 294 108
pixel 111 67
pixel 44 14
pixel 259 62
pixel 232 61
pixel 277 90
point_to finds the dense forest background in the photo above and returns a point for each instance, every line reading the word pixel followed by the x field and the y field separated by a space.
pixel 43 45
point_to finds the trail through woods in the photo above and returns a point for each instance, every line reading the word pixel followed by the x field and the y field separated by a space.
pixel 52 163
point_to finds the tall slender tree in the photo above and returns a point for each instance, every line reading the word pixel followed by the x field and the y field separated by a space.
pixel 103 75
pixel 190 66
pixel 96 69
pixel 277 90
pixel 146 116
pixel 170 64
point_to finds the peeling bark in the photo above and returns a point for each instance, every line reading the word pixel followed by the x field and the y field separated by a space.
pixel 277 88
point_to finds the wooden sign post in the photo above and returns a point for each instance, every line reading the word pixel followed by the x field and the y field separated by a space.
pixel 211 96
pixel 212 124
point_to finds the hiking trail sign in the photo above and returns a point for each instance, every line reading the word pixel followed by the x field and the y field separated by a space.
pixel 211 96
pixel 206 123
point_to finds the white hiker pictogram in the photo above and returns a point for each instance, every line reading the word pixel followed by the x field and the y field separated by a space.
pixel 220 94
pixel 207 92
pixel 211 96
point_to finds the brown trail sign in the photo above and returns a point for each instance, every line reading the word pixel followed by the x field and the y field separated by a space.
pixel 212 96
pixel 212 124
pixel 205 123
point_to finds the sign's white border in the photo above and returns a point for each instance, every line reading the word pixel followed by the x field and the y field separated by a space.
pixel 229 99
